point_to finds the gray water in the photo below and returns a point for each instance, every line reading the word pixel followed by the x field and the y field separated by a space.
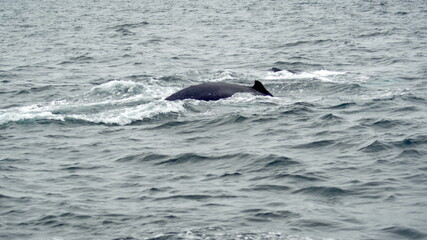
pixel 89 148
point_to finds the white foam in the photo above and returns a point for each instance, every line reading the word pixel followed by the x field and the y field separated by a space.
pixel 248 97
pixel 116 84
pixel 115 102
pixel 384 93
pixel 120 115
pixel 128 115
pixel 220 76
pixel 21 115
pixel 328 73
pixel 322 75
pixel 200 235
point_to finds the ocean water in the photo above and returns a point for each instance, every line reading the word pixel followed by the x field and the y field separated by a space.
pixel 89 148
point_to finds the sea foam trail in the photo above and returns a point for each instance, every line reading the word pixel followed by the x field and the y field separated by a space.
pixel 115 102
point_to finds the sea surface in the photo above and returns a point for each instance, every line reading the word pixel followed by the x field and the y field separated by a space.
pixel 89 148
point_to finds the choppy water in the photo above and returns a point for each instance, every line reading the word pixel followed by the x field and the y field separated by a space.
pixel 89 148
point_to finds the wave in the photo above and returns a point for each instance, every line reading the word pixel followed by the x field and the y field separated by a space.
pixel 279 161
pixel 316 144
pixel 324 191
pixel 198 158
pixel 405 232
pixel 375 147
pixel 268 188
pixel 196 197
pixel 306 177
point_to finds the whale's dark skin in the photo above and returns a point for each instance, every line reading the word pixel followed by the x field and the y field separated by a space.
pixel 215 91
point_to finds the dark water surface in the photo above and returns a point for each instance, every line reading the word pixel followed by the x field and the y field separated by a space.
pixel 89 148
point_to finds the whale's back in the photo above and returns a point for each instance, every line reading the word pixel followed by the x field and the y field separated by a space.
pixel 215 91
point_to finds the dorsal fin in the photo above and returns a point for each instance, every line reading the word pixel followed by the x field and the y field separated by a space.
pixel 260 88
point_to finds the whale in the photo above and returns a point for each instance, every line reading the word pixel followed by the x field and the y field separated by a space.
pixel 212 91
